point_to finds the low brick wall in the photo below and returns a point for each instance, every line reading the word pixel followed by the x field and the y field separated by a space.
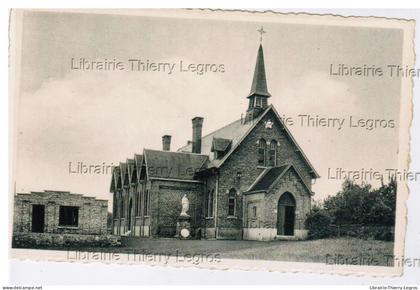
pixel 45 240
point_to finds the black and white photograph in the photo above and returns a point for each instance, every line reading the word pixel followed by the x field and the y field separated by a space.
pixel 212 139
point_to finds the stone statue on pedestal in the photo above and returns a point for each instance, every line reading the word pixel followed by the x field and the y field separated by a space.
pixel 183 225
pixel 185 206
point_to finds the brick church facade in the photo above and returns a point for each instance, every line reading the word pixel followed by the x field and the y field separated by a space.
pixel 248 180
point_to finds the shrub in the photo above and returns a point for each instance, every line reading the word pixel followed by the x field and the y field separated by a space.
pixel 356 211
pixel 319 224
pixel 47 240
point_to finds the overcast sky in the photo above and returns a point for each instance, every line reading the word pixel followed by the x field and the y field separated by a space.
pixel 98 117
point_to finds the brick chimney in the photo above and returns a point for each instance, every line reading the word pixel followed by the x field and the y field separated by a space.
pixel 166 142
pixel 197 124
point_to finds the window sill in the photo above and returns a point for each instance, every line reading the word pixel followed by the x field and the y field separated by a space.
pixel 232 217
pixel 209 218
pixel 68 227
pixel 265 167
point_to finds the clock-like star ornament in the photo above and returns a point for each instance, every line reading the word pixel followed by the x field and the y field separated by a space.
pixel 269 124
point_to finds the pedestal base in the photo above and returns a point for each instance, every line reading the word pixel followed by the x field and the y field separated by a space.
pixel 183 228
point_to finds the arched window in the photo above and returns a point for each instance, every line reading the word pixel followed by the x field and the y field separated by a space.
pixel 261 152
pixel 232 202
pixel 272 153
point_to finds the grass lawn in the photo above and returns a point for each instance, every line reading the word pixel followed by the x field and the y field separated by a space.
pixel 344 250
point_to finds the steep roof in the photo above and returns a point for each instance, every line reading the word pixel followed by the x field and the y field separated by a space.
pixel 173 165
pixel 259 82
pixel 123 167
pixel 237 131
pixel 271 175
pixel 267 178
pixel 116 178
pixel 138 160
pixel 112 185
pixel 234 131
pixel 130 168
pixel 124 173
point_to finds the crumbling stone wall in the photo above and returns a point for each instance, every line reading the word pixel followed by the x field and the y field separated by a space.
pixel 92 213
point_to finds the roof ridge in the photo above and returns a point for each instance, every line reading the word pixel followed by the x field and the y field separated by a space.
pixel 268 170
pixel 176 152
pixel 213 132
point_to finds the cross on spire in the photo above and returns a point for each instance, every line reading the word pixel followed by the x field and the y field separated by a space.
pixel 261 31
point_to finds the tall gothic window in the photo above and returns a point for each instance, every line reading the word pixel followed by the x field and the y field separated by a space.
pixel 136 209
pixel 121 205
pixel 114 205
pixel 261 152
pixel 140 197
pixel 232 202
pixel 272 153
pixel 146 202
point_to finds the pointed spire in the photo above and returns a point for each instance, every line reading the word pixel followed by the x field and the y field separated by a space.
pixel 259 82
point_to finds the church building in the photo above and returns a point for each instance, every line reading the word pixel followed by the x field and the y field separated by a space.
pixel 248 180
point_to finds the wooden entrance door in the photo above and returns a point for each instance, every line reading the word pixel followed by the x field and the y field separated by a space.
pixel 286 209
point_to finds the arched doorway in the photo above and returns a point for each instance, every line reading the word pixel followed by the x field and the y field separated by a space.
pixel 286 215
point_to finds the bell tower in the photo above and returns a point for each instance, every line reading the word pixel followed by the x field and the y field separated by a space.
pixel 259 93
